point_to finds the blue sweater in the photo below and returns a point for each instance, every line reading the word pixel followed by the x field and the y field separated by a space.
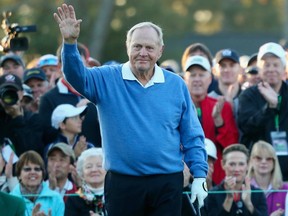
pixel 144 131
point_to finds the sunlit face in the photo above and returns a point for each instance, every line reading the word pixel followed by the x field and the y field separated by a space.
pixel 13 67
pixel 271 70
pixel 235 165
pixel 49 70
pixel 197 80
pixel 93 172
pixel 31 175
pixel 228 71
pixel 59 163
pixel 39 87
pixel 72 124
pixel 144 50
pixel 262 163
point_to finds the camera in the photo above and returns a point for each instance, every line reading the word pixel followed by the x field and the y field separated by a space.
pixel 11 42
pixel 9 96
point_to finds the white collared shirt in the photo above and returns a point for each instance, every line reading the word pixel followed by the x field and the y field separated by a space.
pixel 158 76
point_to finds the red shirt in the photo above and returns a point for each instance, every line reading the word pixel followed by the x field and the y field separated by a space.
pixel 222 136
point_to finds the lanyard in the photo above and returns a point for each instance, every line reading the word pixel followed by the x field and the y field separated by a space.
pixel 199 114
pixel 278 111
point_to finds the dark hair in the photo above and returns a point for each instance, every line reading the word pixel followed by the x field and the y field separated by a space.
pixel 193 48
pixel 235 147
pixel 30 157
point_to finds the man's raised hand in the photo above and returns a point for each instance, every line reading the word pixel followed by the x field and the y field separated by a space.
pixel 68 24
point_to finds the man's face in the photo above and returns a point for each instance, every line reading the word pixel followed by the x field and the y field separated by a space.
pixel 39 87
pixel 271 70
pixel 235 165
pixel 228 71
pixel 197 80
pixel 144 50
pixel 12 67
pixel 59 163
pixel 51 71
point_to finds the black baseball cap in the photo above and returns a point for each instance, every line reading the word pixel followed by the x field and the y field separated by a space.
pixel 10 80
pixel 227 54
pixel 12 57
pixel 34 73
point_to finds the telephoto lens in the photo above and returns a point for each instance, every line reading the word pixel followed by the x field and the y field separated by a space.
pixel 9 96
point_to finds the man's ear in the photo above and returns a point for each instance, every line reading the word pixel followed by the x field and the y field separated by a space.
pixel 62 126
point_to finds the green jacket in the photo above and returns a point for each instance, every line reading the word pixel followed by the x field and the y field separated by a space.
pixel 11 205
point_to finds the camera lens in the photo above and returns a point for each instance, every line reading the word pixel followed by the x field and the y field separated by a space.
pixel 9 96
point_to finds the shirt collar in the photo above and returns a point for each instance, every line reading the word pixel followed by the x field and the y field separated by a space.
pixel 158 76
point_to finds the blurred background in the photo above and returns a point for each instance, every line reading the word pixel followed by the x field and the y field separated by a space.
pixel 242 25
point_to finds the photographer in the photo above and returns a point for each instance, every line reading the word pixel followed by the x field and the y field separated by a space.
pixel 23 128
pixel 12 64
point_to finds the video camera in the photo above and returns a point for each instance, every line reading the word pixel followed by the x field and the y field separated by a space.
pixel 11 42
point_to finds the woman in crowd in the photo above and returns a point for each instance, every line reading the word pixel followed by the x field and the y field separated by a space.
pixel 90 200
pixel 30 171
pixel 264 171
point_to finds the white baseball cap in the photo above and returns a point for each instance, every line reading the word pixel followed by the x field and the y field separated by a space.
pixel 273 48
pixel 65 111
pixel 210 148
pixel 198 60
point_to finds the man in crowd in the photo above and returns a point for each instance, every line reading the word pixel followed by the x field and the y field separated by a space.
pixel 13 64
pixel 60 162
pixel 22 127
pixel 263 108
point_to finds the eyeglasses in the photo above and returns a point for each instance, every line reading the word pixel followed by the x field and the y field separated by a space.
pixel 29 169
pixel 259 159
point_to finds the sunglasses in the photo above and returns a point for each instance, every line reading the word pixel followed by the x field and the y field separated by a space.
pixel 29 169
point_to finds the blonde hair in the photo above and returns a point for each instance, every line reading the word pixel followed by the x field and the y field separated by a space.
pixel 259 148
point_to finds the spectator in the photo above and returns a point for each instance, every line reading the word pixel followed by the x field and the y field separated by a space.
pixel 227 70
pixel 51 67
pixel 141 140
pixel 263 108
pixel 23 128
pixel 265 173
pixel 202 50
pixel 11 205
pixel 215 115
pixel 7 180
pixel 91 193
pixel 30 171
pixel 68 119
pixel 28 99
pixel 212 157
pixel 12 64
pixel 172 65
pixel 252 60
pixel 36 79
pixel 60 163
pixel 235 196
pixel 252 77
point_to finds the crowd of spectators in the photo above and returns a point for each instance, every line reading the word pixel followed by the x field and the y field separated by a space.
pixel 54 162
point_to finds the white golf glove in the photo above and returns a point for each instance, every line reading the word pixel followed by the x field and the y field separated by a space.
pixel 199 191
